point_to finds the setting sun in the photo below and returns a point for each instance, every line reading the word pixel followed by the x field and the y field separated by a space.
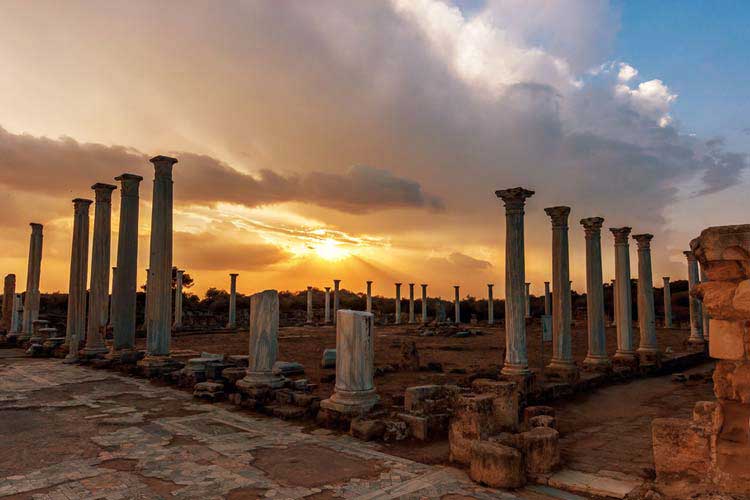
pixel 331 250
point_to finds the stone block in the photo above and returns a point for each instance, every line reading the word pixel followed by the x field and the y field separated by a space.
pixel 533 411
pixel 541 450
pixel 426 427
pixel 681 448
pixel 233 374
pixel 505 401
pixel 728 339
pixel 209 390
pixel 367 430
pixel 288 412
pixel 288 368
pixel 704 415
pixel 496 465
pixel 329 359
pixel 428 399
pixel 717 299
pixel 543 421
pixel 473 419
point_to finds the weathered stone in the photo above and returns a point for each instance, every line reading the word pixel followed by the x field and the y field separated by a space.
pixel 409 356
pixel 496 465
pixel 264 343
pixel 473 419
pixel 505 402
pixel 288 368
pixel 541 450
pixel 209 390
pixel 329 359
pixel 680 448
pixel 532 411
pixel 367 430
pixel 729 339
pixel 543 421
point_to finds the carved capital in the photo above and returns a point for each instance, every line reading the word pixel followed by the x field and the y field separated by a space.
pixel 643 241
pixel 559 216
pixel 514 198
pixel 592 226
pixel 621 234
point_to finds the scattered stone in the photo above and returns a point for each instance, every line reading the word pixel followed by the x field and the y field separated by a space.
pixel 496 465
pixel 329 359
pixel 288 412
pixel 233 374
pixel 543 421
pixel 367 430
pixel 409 356
pixel 395 430
pixel 541 450
pixel 209 390
pixel 288 368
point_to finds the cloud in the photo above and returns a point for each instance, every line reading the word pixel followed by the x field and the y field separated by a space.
pixel 468 262
pixel 651 98
pixel 626 73
pixel 201 251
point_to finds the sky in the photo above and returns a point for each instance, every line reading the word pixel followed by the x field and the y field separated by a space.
pixel 365 140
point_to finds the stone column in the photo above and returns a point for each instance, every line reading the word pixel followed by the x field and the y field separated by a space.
pixel 9 294
pixel 527 303
pixel 232 323
pixel 411 304
pixel 178 300
pixel 457 304
pixel 490 305
pixel 335 299
pixel 547 299
pixel 124 288
pixel 516 360
pixel 562 363
pixel 625 352
pixel 159 326
pixel 667 303
pixel 146 301
pixel 79 260
pixel 398 304
pixel 696 315
pixel 597 352
pixel 15 325
pixel 33 275
pixel 354 393
pixel 424 304
pixel 111 299
pixel 328 305
pixel 264 342
pixel 100 263
pixel 615 302
pixel 369 296
pixel 309 306
pixel 706 318
pixel 648 349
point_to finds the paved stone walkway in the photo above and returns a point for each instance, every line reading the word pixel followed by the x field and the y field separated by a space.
pixel 73 432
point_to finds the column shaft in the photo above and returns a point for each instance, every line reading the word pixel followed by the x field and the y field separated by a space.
pixel 527 300
pixel 335 299
pixel 411 303
pixel 328 305
pixel 667 303
pixel 424 304
pixel 547 299
pixel 397 319
pixel 648 346
pixel 263 342
pixel 309 305
pixel 232 323
pixel 9 295
pixel 178 300
pixel 696 316
pixel 33 275
pixel 490 305
pixel 597 348
pixel 457 304
pixel 369 296
pixel 625 351
pixel 79 256
pixel 562 351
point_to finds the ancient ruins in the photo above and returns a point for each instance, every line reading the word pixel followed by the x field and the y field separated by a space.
pixel 503 413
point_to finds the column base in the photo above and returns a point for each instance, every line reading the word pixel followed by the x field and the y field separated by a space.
pixel 562 370
pixel 625 358
pixel 351 403
pixel 156 366
pixel 649 356
pixel 94 352
pixel 256 380
pixel 525 380
pixel 597 362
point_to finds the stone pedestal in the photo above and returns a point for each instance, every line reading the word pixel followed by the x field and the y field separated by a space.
pixel 397 318
pixel 625 353
pixel 159 323
pixel 424 304
pixel 516 359
pixel 354 393
pixel 411 304
pixel 596 358
pixel 33 275
pixel 648 350
pixel 232 323
pixel 124 287
pixel 490 305
pixel 100 264
pixel 79 257
pixel 264 342
pixel 713 447
pixel 696 314
pixel 562 365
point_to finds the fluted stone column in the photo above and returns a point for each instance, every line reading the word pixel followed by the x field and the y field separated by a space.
pixel 648 348
pixel 424 303
pixel 397 320
pixel 490 305
pixel 411 304
pixel 335 299
pixel 615 302
pixel 328 305
pixel 597 352
pixel 159 326
pixel 33 275
pixel 369 296
pixel 17 318
pixel 704 314
pixel 112 304
pixel 100 262
pixel 547 299
pixel 516 359
pixel 562 363
pixel 125 283
pixel 232 321
pixel 178 299
pixel 309 306
pixel 9 295
pixel 696 314
pixel 264 342
pixel 457 304
pixel 625 351
pixel 667 303
pixel 79 260
pixel 527 304
pixel 354 393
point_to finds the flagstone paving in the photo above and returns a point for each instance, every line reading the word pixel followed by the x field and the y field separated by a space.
pixel 74 432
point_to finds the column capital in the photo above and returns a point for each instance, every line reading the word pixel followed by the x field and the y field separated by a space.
pixel 665 279
pixel 456 286
pixel 514 198
pixel 103 192
pixel 621 234
pixel 369 282
pixel 423 284
pixel 35 226
pixel 559 216
pixel 336 282
pixel 180 271
pixel 328 289
pixel 129 184
pixel 163 165
pixel 546 282
pixel 398 285
pixel 592 226
pixel 234 275
pixel 411 285
pixel 309 288
pixel 643 240
pixel 81 204
pixel 490 285
pixel 690 255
